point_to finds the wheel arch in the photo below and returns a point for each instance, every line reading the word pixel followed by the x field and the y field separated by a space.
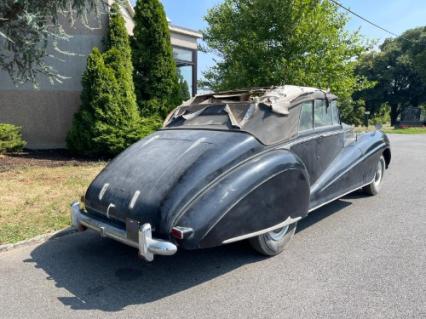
pixel 387 155
pixel 263 192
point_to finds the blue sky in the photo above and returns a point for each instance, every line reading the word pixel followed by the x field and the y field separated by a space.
pixel 394 15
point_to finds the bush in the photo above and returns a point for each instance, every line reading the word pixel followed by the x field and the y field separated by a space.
pixel 382 116
pixel 108 120
pixel 10 138
pixel 149 125
pixel 104 126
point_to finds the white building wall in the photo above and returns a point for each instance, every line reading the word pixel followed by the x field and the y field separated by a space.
pixel 46 114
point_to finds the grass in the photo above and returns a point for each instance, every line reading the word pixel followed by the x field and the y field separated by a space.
pixel 391 130
pixel 408 130
pixel 36 200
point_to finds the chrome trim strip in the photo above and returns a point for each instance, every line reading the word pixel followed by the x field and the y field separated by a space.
pixel 287 222
pixel 134 199
pixel 147 246
pixel 103 190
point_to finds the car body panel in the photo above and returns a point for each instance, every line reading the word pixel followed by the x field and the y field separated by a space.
pixel 253 186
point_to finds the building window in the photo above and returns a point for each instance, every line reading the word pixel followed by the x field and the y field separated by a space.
pixel 182 56
pixel 186 61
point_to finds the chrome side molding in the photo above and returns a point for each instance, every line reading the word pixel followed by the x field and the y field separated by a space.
pixel 147 246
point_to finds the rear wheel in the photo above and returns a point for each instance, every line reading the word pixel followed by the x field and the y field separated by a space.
pixel 374 187
pixel 275 241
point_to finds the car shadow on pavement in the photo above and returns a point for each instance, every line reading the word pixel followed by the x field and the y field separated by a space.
pixel 105 275
pixel 322 213
pixel 102 274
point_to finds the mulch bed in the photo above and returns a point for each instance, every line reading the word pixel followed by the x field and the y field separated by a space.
pixel 45 158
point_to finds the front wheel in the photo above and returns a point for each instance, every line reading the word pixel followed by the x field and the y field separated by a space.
pixel 273 242
pixel 374 187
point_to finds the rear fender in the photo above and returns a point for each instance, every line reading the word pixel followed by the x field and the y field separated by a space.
pixel 262 193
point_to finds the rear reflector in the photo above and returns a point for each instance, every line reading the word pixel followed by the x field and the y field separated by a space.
pixel 181 232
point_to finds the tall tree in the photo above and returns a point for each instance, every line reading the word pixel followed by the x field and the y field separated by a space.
pixel 155 74
pixel 119 57
pixel 28 27
pixel 108 120
pixel 273 42
pixel 399 73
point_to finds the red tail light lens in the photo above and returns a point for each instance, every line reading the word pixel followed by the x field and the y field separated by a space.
pixel 181 232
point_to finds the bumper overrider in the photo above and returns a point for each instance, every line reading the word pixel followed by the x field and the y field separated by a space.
pixel 147 246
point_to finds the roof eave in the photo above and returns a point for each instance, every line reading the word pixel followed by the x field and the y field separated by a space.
pixel 173 28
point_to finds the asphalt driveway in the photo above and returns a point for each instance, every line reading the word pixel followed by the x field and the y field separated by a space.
pixel 359 257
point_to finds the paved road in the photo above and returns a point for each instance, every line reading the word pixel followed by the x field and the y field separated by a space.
pixel 359 257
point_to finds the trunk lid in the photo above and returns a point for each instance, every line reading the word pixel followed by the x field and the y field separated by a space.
pixel 151 180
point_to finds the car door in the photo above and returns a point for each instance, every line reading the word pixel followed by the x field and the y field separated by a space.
pixel 320 137
pixel 305 145
pixel 329 135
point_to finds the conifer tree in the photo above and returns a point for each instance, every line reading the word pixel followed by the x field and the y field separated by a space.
pixel 108 120
pixel 155 74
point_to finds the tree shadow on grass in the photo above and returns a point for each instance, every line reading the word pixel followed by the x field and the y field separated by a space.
pixel 108 276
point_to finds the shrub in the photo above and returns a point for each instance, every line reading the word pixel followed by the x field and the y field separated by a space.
pixel 10 138
pixel 149 125
pixel 108 120
pixel 382 116
pixel 104 126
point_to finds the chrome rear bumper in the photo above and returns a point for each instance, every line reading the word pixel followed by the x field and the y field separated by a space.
pixel 147 246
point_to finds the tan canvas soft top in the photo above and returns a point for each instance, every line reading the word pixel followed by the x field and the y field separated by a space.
pixel 279 98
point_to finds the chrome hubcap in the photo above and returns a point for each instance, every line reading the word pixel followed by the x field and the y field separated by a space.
pixel 279 233
pixel 379 173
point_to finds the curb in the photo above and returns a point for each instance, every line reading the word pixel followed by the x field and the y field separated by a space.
pixel 38 239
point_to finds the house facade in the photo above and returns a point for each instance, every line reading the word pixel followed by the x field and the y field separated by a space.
pixel 46 114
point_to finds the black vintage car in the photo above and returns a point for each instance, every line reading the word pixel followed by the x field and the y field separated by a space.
pixel 231 166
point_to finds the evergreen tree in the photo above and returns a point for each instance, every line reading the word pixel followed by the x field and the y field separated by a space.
pixel 108 120
pixel 118 57
pixel 117 36
pixel 155 74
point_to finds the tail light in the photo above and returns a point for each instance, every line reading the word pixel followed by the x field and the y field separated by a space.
pixel 179 232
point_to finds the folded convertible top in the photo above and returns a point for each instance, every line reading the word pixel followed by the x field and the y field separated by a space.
pixel 266 113
pixel 278 98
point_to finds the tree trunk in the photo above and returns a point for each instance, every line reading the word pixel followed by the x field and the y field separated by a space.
pixel 394 114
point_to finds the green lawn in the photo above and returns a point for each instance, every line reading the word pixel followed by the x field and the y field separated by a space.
pixel 408 130
pixel 390 130
pixel 36 199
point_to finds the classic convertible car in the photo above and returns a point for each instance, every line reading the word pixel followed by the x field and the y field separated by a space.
pixel 230 166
